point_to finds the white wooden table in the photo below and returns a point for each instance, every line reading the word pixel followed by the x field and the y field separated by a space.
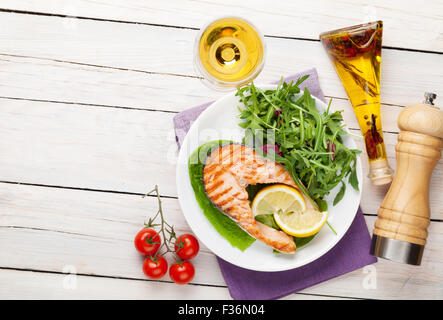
pixel 88 90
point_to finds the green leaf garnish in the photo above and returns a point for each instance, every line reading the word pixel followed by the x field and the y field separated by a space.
pixel 267 219
pixel 340 194
pixel 353 180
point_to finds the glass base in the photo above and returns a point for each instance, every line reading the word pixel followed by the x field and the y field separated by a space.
pixel 380 172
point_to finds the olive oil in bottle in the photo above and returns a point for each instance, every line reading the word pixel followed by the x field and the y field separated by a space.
pixel 229 52
pixel 356 55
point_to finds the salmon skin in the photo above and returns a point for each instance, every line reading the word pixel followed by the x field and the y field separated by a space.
pixel 228 170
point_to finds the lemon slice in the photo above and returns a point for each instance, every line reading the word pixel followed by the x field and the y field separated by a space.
pixel 301 224
pixel 278 198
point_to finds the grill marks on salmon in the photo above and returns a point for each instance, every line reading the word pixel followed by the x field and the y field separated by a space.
pixel 228 170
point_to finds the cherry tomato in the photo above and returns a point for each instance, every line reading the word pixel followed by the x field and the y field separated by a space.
pixel 189 248
pixel 182 274
pixel 155 269
pixel 147 241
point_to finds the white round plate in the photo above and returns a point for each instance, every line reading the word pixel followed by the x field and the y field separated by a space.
pixel 220 121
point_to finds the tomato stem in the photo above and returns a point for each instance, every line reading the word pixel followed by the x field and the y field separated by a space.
pixel 163 228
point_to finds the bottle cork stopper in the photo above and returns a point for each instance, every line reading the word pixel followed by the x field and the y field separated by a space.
pixel 379 172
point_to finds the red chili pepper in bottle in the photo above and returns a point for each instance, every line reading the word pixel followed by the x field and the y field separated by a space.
pixel 371 147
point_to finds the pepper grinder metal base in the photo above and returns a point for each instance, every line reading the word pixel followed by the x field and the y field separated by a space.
pixel 397 250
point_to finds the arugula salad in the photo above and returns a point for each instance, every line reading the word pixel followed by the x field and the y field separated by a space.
pixel 286 126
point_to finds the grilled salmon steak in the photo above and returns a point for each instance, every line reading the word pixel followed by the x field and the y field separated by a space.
pixel 228 170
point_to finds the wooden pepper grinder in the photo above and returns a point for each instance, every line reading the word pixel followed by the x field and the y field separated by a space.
pixel 400 231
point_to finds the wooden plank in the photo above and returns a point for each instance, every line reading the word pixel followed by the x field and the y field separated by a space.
pixel 93 231
pixel 120 149
pixel 43 79
pixel 29 285
pixel 168 51
pixel 417 25
pixel 64 82
pixel 116 149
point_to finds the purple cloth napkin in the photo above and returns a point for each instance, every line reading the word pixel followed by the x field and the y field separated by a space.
pixel 350 253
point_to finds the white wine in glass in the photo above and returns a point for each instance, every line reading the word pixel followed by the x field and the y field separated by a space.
pixel 229 52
